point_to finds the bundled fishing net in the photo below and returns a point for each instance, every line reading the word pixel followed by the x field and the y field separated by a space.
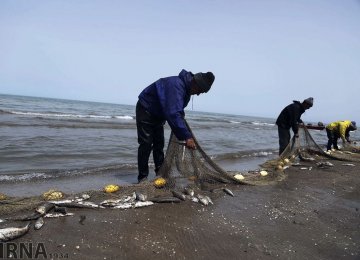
pixel 349 153
pixel 183 166
pixel 306 149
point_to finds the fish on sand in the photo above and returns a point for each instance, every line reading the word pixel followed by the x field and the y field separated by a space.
pixel 10 233
pixel 227 191
pixel 39 223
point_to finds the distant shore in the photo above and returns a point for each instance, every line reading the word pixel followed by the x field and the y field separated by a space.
pixel 312 214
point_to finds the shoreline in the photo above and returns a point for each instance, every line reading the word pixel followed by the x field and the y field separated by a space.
pixel 312 214
pixel 96 181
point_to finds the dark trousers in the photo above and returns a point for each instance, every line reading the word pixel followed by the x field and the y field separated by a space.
pixel 150 131
pixel 284 138
pixel 332 139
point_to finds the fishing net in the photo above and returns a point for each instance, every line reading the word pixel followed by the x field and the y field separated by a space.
pixel 184 167
pixel 304 148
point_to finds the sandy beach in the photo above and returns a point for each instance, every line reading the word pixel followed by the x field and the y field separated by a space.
pixel 312 214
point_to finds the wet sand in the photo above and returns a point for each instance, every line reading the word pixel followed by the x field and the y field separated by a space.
pixel 312 214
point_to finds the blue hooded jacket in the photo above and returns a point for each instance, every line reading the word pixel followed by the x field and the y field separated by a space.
pixel 166 99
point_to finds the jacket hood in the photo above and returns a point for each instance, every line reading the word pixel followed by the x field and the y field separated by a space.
pixel 186 77
pixel 299 104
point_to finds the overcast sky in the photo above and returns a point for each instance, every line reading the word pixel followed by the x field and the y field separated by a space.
pixel 264 53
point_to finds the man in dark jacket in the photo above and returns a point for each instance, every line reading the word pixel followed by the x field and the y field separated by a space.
pixel 290 118
pixel 165 100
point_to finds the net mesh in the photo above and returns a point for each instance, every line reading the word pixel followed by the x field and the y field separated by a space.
pixel 183 166
pixel 305 148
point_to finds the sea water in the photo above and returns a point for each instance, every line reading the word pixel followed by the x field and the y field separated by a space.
pixel 78 145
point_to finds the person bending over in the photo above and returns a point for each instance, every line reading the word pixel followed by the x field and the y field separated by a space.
pixel 339 129
pixel 290 118
pixel 164 101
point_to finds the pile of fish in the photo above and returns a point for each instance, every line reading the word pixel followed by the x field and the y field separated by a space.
pixel 58 208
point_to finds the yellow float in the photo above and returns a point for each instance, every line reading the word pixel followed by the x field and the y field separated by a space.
pixel 2 196
pixel 53 195
pixel 159 182
pixel 111 188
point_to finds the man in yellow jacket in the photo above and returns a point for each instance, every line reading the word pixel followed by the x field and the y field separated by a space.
pixel 339 129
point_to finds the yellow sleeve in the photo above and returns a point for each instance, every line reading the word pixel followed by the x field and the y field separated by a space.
pixel 343 125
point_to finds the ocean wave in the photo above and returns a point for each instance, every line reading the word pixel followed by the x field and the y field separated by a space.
pixel 24 177
pixel 257 123
pixel 262 123
pixel 125 117
pixel 68 116
pixel 244 154
pixel 4 112
pixel 33 175
pixel 85 125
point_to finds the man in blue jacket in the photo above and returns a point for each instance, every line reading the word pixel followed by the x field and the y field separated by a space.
pixel 165 100
pixel 290 118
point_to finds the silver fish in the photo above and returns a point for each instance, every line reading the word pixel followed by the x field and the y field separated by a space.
pixel 89 204
pixel 130 198
pixel 324 164
pixel 39 223
pixel 60 202
pixel 178 195
pixel 85 196
pixel 110 203
pixel 43 209
pixel 140 196
pixel 125 205
pixel 56 215
pixel 209 199
pixel 10 233
pixel 140 204
pixel 189 191
pixel 82 197
pixel 203 200
pixel 80 204
pixel 194 199
pixel 348 164
pixel 226 190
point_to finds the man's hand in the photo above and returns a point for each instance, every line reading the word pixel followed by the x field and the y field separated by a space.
pixel 190 143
